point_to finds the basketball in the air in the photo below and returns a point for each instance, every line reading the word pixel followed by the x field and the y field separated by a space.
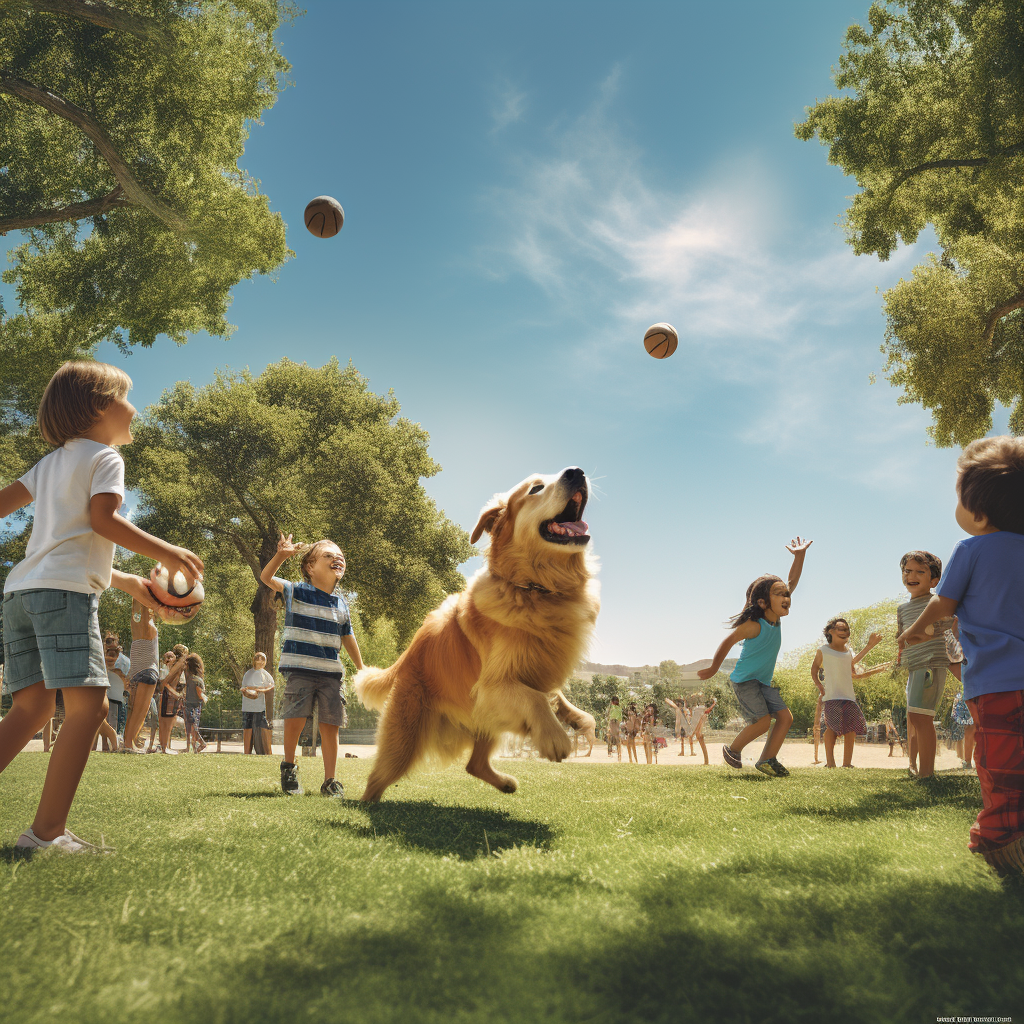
pixel 324 216
pixel 661 340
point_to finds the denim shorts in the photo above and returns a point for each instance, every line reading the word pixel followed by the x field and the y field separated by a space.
pixel 54 636
pixel 757 700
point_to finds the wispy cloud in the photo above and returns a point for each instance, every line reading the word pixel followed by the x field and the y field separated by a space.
pixel 508 108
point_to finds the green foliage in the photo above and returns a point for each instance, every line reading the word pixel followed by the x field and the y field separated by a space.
pixel 932 128
pixel 313 452
pixel 178 112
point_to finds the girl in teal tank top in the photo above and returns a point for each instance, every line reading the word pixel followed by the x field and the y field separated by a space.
pixel 758 627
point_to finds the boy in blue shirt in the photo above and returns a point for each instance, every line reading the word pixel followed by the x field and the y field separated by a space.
pixel 984 586
pixel 316 626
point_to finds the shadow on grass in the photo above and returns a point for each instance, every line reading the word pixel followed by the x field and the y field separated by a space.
pixel 255 794
pixel 960 792
pixel 463 832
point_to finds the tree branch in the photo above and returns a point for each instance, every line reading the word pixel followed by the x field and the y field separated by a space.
pixel 82 119
pixel 997 314
pixel 76 211
pixel 933 165
pixel 243 549
pixel 150 30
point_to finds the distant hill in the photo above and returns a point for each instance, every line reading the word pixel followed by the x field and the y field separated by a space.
pixel 589 668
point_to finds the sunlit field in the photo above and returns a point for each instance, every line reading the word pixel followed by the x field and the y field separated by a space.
pixel 595 893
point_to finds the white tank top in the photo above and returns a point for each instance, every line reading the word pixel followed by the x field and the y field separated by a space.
pixel 838 666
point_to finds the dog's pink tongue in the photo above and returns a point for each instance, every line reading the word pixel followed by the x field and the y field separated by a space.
pixel 578 529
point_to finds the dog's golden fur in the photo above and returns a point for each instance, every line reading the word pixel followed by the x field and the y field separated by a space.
pixel 487 661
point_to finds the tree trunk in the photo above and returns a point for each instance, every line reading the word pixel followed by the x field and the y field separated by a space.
pixel 264 615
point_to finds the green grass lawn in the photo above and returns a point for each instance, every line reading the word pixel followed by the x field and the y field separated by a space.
pixel 596 893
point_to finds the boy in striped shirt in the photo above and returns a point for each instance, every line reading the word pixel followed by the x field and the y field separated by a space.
pixel 316 626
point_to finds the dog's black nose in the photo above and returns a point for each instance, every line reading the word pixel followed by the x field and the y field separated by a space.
pixel 573 475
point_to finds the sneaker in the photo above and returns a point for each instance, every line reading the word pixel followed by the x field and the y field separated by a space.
pixel 772 766
pixel 66 843
pixel 290 779
pixel 731 758
pixel 332 787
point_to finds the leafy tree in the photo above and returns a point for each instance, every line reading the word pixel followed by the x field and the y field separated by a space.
pixel 308 451
pixel 933 131
pixel 121 128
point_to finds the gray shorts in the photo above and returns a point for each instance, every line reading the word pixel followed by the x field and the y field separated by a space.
pixel 54 636
pixel 925 687
pixel 757 700
pixel 303 690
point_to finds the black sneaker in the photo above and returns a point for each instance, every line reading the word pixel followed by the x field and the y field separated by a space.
pixel 771 766
pixel 731 758
pixel 290 779
pixel 332 787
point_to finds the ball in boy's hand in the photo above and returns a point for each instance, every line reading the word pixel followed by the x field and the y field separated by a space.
pixel 661 340
pixel 324 216
pixel 178 601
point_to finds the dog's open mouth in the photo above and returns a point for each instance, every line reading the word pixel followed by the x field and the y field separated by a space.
pixel 568 526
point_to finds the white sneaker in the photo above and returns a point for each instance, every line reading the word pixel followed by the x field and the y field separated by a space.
pixel 66 843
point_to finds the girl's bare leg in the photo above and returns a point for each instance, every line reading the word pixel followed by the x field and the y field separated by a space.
pixel 143 695
pixel 47 735
pixel 166 724
pixel 85 707
pixel 960 747
pixel 849 738
pixel 109 736
pixel 783 720
pixel 647 750
pixel 969 743
pixel 830 748
pixel 31 711
pixel 704 747
pixel 924 735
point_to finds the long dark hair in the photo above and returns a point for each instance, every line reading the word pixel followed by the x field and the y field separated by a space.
pixel 759 590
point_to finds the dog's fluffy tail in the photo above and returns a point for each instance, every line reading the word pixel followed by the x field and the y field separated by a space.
pixel 571 715
pixel 372 686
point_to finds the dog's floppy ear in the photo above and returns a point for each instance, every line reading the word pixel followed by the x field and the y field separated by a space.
pixel 488 517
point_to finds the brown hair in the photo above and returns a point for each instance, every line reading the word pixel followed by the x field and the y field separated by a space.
pixel 180 649
pixel 991 481
pixel 194 663
pixel 76 397
pixel 832 623
pixel 933 562
pixel 759 590
pixel 311 552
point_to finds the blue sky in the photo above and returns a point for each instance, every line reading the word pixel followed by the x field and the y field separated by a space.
pixel 527 187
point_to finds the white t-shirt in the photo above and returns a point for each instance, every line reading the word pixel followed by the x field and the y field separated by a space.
pixel 838 666
pixel 116 689
pixel 256 677
pixel 63 552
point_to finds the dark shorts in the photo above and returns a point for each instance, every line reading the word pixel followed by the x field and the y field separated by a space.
pixel 255 720
pixel 757 700
pixel 304 690
pixel 843 716
pixel 193 712
pixel 52 636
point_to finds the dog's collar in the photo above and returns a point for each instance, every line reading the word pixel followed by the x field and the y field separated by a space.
pixel 523 586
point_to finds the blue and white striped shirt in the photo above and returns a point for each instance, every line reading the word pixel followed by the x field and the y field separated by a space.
pixel 314 623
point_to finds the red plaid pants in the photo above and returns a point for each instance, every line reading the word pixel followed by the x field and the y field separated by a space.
pixel 999 756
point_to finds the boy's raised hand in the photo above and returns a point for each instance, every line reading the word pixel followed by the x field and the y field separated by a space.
pixel 286 547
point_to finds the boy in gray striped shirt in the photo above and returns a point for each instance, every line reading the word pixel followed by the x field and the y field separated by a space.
pixel 927 661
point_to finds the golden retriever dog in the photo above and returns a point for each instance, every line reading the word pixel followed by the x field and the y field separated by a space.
pixel 579 721
pixel 487 661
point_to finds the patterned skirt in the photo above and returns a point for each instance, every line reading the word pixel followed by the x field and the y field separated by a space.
pixel 843 716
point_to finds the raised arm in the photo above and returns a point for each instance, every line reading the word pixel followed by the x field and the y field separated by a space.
pixel 873 641
pixel 798 549
pixel 744 631
pixel 285 549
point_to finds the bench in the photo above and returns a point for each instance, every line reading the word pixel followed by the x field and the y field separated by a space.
pixel 225 733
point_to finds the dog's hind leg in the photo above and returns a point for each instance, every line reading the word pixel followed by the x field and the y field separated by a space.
pixel 479 766
pixel 398 741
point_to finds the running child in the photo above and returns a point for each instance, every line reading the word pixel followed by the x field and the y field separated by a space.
pixel 927 661
pixel 758 627
pixel 316 626
pixel 195 699
pixel 839 708
pixel 699 712
pixel 54 591
pixel 984 586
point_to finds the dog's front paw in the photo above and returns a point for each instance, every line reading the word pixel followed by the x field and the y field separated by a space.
pixel 553 744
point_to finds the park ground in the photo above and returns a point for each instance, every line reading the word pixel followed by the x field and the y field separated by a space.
pixel 595 893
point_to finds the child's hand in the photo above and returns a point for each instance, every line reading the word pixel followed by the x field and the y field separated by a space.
pixel 286 547
pixel 184 561
pixel 874 639
pixel 798 546
pixel 136 587
pixel 706 673
pixel 908 639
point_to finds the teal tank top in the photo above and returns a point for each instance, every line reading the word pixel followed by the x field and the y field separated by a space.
pixel 758 655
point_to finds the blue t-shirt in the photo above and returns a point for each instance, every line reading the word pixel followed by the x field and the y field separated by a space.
pixel 985 576
pixel 314 623
pixel 758 655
